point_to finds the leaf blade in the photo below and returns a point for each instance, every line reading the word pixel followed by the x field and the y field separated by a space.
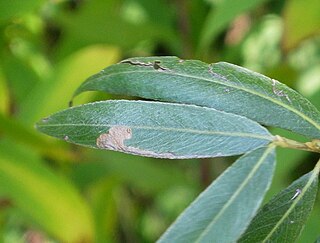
pixel 220 17
pixel 205 220
pixel 155 129
pixel 45 197
pixel 222 86
pixel 283 218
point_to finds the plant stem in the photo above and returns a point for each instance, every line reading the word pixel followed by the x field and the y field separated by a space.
pixel 313 146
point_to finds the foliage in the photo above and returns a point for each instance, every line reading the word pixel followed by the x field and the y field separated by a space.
pixel 54 191
pixel 179 131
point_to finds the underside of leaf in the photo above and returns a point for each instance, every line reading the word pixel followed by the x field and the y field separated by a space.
pixel 283 218
pixel 156 129
pixel 223 211
pixel 222 86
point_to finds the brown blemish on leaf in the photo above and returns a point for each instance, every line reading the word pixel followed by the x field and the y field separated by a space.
pixel 115 140
pixel 138 63
pixel 156 64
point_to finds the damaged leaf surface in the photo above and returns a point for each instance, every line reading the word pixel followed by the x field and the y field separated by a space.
pixel 283 217
pixel 223 211
pixel 222 86
pixel 155 129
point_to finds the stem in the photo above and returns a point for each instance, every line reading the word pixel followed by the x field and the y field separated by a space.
pixel 313 146
pixel 205 175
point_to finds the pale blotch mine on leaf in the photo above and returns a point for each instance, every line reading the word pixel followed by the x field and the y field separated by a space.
pixel 114 140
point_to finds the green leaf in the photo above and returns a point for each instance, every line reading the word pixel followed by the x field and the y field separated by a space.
pixel 22 134
pixel 4 93
pixel 317 240
pixel 67 77
pixel 301 20
pixel 16 8
pixel 219 18
pixel 108 26
pixel 283 218
pixel 223 211
pixel 145 174
pixel 222 86
pixel 155 129
pixel 50 201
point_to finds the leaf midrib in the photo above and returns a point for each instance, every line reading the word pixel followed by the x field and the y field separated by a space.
pixel 295 202
pixel 238 191
pixel 297 112
pixel 186 130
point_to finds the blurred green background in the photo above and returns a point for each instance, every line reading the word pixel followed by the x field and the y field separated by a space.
pixel 51 191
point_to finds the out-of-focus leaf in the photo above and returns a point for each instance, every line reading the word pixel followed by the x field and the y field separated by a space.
pixel 283 218
pixel 159 12
pixel 223 211
pixel 154 129
pixel 310 231
pixel 301 20
pixel 4 94
pixel 107 26
pixel 222 86
pixel 261 48
pixel 219 18
pixel 9 9
pixel 49 97
pixel 22 82
pixel 29 137
pixel 142 173
pixel 50 201
pixel 103 203
pixel 317 240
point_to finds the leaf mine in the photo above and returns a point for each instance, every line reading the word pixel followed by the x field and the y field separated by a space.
pixel 155 64
pixel 222 86
pixel 115 138
pixel 279 92
pixel 156 129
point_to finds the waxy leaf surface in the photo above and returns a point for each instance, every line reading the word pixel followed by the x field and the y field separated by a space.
pixel 156 129
pixel 222 86
pixel 283 218
pixel 223 211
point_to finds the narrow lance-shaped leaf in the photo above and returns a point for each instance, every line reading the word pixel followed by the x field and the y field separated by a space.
pixel 50 201
pixel 222 86
pixel 283 218
pixel 223 211
pixel 156 129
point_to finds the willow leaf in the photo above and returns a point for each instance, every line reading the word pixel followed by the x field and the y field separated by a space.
pixel 283 218
pixel 156 129
pixel 222 86
pixel 223 211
